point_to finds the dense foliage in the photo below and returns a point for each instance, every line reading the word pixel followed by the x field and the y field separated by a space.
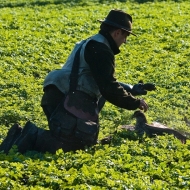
pixel 37 36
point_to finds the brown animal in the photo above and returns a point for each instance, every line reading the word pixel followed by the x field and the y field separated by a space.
pixel 155 128
pixel 187 121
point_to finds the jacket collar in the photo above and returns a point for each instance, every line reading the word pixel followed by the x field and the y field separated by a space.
pixel 112 43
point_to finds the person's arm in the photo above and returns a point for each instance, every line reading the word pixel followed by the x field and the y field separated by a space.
pixel 101 62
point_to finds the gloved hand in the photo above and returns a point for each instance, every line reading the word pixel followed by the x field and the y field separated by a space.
pixel 141 88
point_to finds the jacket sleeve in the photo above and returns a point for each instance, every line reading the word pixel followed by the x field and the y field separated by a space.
pixel 101 62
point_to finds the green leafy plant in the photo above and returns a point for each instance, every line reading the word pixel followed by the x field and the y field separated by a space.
pixel 37 37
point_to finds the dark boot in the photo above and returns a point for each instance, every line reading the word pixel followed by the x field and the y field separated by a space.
pixel 26 141
pixel 13 133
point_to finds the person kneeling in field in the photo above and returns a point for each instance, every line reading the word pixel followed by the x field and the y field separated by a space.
pixel 74 95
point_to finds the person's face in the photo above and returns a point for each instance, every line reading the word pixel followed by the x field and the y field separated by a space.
pixel 120 37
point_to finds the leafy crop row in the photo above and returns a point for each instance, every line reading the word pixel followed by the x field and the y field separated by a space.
pixel 125 164
pixel 36 39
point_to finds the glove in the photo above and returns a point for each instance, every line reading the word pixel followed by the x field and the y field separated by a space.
pixel 141 88
pixel 149 86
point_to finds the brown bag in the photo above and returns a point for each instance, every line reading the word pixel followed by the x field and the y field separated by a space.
pixel 85 108
pixel 81 105
pixel 76 115
pixel 81 109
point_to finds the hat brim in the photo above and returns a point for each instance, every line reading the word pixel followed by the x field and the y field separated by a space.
pixel 116 25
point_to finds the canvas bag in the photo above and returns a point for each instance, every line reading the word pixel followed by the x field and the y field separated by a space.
pixel 78 112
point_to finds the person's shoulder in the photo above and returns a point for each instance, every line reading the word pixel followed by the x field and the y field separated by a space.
pixel 93 44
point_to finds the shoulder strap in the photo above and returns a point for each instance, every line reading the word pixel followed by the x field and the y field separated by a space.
pixel 75 68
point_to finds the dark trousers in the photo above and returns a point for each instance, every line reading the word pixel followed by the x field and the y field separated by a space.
pixel 70 143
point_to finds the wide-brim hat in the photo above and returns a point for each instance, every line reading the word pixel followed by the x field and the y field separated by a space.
pixel 119 19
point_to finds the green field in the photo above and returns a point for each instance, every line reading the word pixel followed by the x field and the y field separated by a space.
pixel 37 37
